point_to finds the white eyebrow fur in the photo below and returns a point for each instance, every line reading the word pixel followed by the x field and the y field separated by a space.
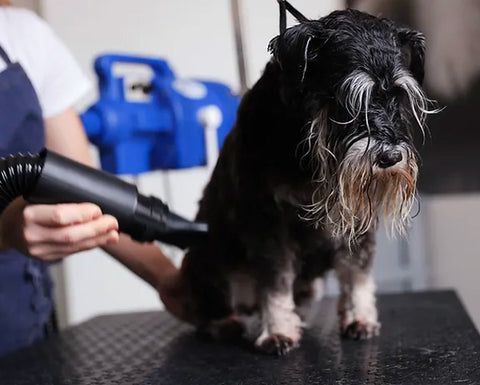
pixel 419 102
pixel 356 90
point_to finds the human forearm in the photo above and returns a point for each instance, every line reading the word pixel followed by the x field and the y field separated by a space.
pixel 150 264
pixel 144 259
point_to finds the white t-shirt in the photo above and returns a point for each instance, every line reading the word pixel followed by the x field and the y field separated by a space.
pixel 54 73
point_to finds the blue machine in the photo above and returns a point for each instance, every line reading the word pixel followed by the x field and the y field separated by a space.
pixel 161 132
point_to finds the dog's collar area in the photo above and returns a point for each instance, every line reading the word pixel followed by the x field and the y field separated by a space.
pixel 285 6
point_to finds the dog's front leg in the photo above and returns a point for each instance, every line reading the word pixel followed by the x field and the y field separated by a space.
pixel 281 326
pixel 356 306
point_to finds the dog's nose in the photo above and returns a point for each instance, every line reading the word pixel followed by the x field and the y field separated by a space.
pixel 389 158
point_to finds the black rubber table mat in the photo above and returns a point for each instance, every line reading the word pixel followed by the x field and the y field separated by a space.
pixel 426 338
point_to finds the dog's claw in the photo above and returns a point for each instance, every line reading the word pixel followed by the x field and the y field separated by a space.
pixel 277 344
pixel 358 330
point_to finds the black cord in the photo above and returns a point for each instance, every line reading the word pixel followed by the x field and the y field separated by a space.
pixel 285 6
pixel 283 16
pixel 295 13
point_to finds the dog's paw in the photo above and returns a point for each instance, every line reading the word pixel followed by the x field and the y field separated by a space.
pixel 360 330
pixel 276 344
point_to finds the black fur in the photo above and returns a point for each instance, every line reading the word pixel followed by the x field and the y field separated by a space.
pixel 253 203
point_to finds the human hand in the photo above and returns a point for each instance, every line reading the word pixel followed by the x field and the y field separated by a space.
pixel 175 295
pixel 51 232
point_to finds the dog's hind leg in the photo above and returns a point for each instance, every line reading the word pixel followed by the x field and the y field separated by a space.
pixel 281 326
pixel 306 292
pixel 356 305
pixel 245 304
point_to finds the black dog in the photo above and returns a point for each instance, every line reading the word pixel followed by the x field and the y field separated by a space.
pixel 321 149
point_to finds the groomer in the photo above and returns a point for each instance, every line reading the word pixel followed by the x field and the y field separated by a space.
pixel 39 84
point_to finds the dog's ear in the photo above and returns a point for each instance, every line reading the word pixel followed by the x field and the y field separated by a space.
pixel 292 49
pixel 413 52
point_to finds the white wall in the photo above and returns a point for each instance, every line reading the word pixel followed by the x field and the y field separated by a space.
pixel 196 36
pixel 453 244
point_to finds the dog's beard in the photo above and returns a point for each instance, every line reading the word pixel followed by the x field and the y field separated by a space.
pixel 351 195
pixel 366 193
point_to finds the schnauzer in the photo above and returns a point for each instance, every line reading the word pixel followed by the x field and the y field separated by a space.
pixel 321 150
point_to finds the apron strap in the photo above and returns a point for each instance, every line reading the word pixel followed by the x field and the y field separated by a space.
pixel 4 56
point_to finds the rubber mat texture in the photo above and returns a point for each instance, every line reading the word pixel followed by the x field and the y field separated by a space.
pixel 426 338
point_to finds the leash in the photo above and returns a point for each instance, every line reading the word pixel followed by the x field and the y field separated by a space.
pixel 285 6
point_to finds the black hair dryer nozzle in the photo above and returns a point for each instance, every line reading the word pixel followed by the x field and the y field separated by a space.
pixel 51 178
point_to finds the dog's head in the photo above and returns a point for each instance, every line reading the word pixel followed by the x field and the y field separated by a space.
pixel 356 79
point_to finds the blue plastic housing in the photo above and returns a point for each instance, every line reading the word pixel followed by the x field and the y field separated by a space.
pixel 163 132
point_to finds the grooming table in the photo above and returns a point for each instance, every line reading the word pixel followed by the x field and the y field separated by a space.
pixel 427 338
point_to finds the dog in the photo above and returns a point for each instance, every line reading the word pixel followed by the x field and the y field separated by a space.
pixel 321 150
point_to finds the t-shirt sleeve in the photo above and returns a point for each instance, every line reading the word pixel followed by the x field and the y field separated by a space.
pixel 62 83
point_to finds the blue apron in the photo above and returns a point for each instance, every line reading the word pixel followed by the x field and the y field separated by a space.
pixel 26 303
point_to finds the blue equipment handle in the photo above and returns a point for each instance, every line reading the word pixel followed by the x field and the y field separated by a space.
pixel 109 84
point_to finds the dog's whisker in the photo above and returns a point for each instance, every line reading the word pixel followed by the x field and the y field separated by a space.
pixel 305 57
pixel 343 123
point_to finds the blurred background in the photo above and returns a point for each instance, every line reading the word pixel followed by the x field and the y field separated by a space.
pixel 202 39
